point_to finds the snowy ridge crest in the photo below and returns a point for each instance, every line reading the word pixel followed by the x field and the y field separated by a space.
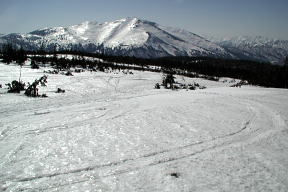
pixel 141 38
pixel 128 36
pixel 257 48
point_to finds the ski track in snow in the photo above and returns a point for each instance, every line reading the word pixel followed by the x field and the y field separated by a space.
pixel 114 132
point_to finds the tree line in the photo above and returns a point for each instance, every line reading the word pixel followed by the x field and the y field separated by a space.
pixel 256 73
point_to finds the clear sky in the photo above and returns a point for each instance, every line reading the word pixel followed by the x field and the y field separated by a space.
pixel 220 18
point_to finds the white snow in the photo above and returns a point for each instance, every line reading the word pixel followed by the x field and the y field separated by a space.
pixel 114 132
pixel 110 34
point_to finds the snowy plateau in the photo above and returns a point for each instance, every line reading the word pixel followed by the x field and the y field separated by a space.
pixel 115 132
pixel 142 38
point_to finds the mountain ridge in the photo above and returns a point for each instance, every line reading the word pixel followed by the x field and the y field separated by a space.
pixel 142 38
pixel 129 36
pixel 257 48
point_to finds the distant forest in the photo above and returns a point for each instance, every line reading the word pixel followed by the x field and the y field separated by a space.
pixel 256 73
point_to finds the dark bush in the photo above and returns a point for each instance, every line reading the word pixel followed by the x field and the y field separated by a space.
pixel 168 81
pixel 68 73
pixel 212 78
pixel 176 175
pixel 55 71
pixel 240 84
pixel 191 87
pixel 59 90
pixel 79 70
pixel 16 86
pixel 32 90
pixel 157 86
pixel 34 65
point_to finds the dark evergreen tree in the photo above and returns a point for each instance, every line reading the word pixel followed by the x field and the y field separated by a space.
pixel 168 80
pixel 286 72
pixel 21 56
pixel 34 65
pixel 8 53
pixel 20 59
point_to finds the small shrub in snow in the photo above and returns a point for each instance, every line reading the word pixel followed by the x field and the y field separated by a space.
pixel 16 86
pixel 34 65
pixel 191 87
pixel 32 90
pixel 212 78
pixel 157 86
pixel 168 81
pixel 55 71
pixel 101 68
pixel 93 69
pixel 69 73
pixel 176 175
pixel 59 90
pixel 239 84
pixel 176 87
pixel 78 70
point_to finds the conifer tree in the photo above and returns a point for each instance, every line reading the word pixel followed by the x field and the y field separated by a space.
pixel 20 59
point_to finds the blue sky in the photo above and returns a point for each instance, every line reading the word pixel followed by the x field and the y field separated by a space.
pixel 220 18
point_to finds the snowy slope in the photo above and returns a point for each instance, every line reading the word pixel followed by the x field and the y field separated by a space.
pixel 129 36
pixel 257 48
pixel 114 132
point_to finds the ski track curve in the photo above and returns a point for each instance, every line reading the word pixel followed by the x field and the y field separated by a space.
pixel 248 133
pixel 175 154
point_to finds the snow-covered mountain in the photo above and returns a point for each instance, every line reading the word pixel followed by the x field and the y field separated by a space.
pixel 142 38
pixel 257 48
pixel 129 36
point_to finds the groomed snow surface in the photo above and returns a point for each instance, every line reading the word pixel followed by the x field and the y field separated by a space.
pixel 115 132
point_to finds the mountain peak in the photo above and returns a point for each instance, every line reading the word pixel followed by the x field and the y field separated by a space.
pixel 129 36
pixel 132 36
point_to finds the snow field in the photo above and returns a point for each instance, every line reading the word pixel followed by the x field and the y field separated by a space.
pixel 115 132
